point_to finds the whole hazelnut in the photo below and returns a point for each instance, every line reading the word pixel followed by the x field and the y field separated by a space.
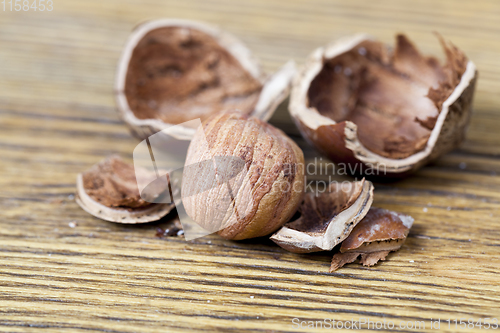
pixel 251 197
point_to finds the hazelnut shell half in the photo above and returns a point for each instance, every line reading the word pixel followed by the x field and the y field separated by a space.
pixel 108 190
pixel 326 219
pixel 174 70
pixel 358 102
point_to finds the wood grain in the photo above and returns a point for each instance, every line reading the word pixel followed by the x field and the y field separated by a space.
pixel 57 117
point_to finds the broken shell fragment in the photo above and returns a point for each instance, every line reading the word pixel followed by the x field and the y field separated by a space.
pixel 357 101
pixel 380 232
pixel 173 229
pixel 108 190
pixel 172 71
pixel 326 219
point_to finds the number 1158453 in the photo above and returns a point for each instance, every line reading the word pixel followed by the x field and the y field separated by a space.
pixel 27 5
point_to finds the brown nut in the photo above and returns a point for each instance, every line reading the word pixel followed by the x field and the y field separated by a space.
pixel 108 190
pixel 359 102
pixel 256 200
pixel 173 70
pixel 326 219
pixel 380 232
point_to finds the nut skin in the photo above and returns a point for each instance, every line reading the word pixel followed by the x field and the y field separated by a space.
pixel 268 191
pixel 380 232
pixel 378 225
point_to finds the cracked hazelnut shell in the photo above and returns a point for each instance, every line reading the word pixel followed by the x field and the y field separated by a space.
pixel 174 70
pixel 326 219
pixel 260 198
pixel 380 232
pixel 361 103
pixel 108 190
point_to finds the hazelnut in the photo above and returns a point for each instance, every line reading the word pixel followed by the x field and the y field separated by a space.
pixel 357 101
pixel 258 199
pixel 172 71
pixel 326 219
pixel 108 190
pixel 380 232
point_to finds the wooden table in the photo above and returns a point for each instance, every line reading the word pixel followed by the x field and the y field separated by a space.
pixel 57 117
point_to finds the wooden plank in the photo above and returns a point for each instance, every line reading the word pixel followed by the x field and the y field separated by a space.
pixel 57 117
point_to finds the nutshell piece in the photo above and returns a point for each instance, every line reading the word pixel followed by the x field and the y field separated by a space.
pixel 108 190
pixel 248 199
pixel 358 101
pixel 174 70
pixel 326 219
pixel 380 232
pixel 173 229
